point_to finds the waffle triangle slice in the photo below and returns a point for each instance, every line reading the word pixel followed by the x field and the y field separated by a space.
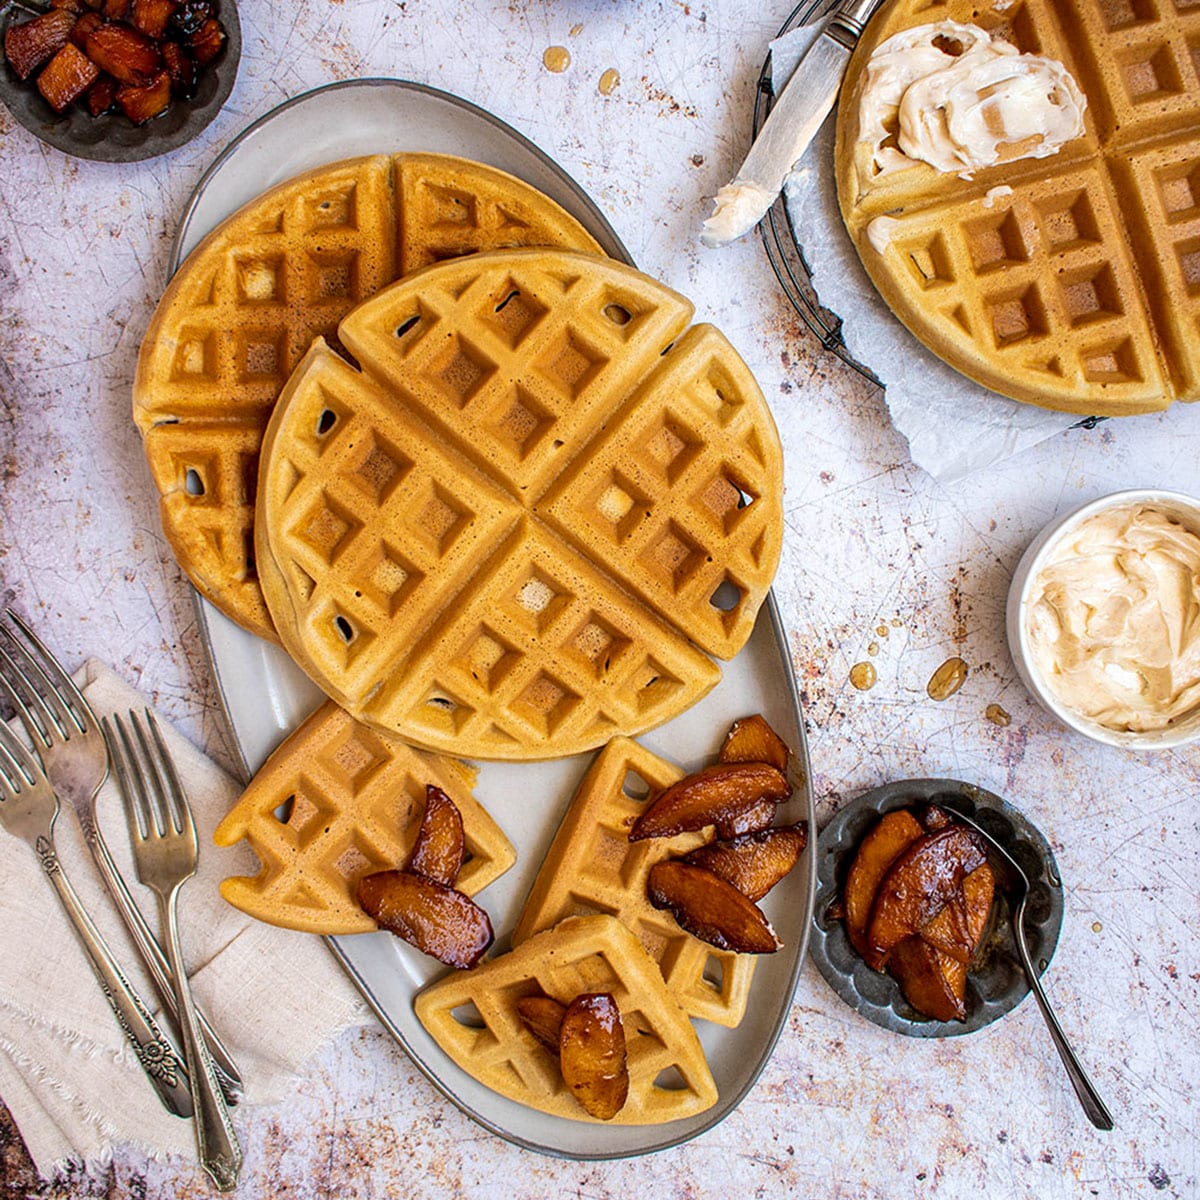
pixel 420 542
pixel 593 867
pixel 337 801
pixel 472 1016
pixel 243 308
pixel 1072 281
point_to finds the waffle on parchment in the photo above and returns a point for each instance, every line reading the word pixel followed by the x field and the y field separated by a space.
pixel 337 801
pixel 582 954
pixel 1080 290
pixel 592 866
pixel 433 531
pixel 244 307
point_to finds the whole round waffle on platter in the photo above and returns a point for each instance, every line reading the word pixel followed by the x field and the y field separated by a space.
pixel 244 307
pixel 1072 281
pixel 522 527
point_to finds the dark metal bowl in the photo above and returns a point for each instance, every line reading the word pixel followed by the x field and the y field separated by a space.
pixel 112 137
pixel 995 984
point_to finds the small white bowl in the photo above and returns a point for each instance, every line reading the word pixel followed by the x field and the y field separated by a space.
pixel 1185 510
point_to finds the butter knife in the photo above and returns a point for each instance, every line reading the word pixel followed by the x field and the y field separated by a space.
pixel 793 122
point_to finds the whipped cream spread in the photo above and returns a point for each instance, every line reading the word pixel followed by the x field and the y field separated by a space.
pixel 964 100
pixel 1114 619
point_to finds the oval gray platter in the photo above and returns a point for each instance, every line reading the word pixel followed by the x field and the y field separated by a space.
pixel 995 984
pixel 265 694
pixel 112 137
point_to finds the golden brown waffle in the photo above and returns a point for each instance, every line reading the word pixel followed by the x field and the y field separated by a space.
pixel 472 1016
pixel 592 866
pixel 337 801
pixel 245 306
pixel 1080 289
pixel 433 531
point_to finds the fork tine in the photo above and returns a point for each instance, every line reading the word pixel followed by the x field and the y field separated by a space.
pixel 34 724
pixel 181 810
pixel 164 818
pixel 56 717
pixel 16 760
pixel 137 807
pixel 62 687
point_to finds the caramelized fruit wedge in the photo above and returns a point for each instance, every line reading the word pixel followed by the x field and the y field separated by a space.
pixel 750 821
pixel 543 1017
pixel 755 862
pixel 591 1048
pixel 714 795
pixel 151 16
pixel 958 929
pixel 66 77
pixel 207 42
pixel 917 967
pixel 889 838
pixel 88 23
pixel 142 104
pixel 710 909
pixel 934 818
pixel 128 56
pixel 439 849
pixel 918 885
pixel 102 95
pixel 436 919
pixel 28 45
pixel 752 740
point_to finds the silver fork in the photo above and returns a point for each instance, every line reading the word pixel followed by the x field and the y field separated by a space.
pixel 68 739
pixel 28 808
pixel 165 849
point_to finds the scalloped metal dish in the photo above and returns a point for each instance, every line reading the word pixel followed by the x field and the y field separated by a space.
pixel 265 695
pixel 112 137
pixel 996 984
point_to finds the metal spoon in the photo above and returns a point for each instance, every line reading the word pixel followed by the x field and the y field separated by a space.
pixel 1015 883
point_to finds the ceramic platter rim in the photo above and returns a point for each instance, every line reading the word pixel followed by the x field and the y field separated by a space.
pixel 881 1001
pixel 264 694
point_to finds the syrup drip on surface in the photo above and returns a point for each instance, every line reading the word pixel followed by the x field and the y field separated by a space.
pixel 997 715
pixel 609 82
pixel 863 676
pixel 947 679
pixel 556 59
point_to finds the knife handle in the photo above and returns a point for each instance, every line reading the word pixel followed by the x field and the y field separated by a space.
pixel 848 22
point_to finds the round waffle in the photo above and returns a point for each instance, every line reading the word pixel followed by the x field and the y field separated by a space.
pixel 245 306
pixel 1071 281
pixel 514 531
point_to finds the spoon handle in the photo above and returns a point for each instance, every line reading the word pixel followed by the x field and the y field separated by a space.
pixel 1095 1108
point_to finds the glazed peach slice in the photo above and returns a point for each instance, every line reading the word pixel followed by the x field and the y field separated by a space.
pixel 890 837
pixel 751 739
pixel 440 846
pixel 933 983
pixel 438 920
pixel 709 908
pixel 958 929
pixel 543 1017
pixel 591 1049
pixel 918 885
pixel 714 795
pixel 755 862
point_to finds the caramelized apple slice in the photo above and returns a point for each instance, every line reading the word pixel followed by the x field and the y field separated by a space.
pixel 591 1049
pixel 151 16
pixel 714 795
pixel 889 838
pixel 752 740
pixel 438 920
pixel 102 95
pixel 755 862
pixel 709 908
pixel 31 43
pixel 66 77
pixel 917 967
pixel 918 885
pixel 128 56
pixel 142 104
pixel 439 849
pixel 207 42
pixel 543 1016
pixel 751 821
pixel 958 929
pixel 87 24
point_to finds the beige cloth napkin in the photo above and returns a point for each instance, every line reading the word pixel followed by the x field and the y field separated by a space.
pixel 66 1073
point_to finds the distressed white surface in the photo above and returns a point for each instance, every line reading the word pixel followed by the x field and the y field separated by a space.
pixel 844 1109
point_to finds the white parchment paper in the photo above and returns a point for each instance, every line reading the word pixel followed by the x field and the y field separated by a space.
pixel 953 426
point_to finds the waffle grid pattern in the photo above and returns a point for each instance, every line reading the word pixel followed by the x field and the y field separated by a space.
pixel 335 802
pixel 473 1017
pixel 1072 281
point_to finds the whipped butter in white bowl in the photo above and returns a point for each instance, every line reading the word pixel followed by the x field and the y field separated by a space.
pixel 1103 619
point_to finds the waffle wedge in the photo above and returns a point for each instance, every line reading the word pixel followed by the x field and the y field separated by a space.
pixel 244 307
pixel 337 801
pixel 592 867
pixel 1071 281
pixel 517 529
pixel 472 1016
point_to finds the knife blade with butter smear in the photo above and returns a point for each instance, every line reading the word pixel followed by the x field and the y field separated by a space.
pixel 793 122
